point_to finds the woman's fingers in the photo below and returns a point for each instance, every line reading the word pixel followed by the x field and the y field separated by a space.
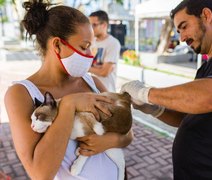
pixel 96 101
pixel 90 102
pixel 95 113
pixel 85 146
pixel 86 152
pixel 104 108
pixel 83 138
pixel 86 149
pixel 104 98
pixel 91 144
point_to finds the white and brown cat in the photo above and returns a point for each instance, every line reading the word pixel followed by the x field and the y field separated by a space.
pixel 85 123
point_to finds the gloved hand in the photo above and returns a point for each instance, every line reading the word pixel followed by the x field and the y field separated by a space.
pixel 138 92
pixel 154 110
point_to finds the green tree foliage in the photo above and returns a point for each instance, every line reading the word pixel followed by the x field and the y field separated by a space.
pixel 119 1
pixel 2 2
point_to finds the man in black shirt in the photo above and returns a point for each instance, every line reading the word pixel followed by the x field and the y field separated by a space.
pixel 187 106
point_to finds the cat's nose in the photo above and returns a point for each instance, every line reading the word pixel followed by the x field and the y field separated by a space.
pixel 32 126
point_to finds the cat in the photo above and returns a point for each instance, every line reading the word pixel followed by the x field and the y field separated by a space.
pixel 85 123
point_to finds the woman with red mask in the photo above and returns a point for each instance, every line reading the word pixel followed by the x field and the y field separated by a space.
pixel 64 36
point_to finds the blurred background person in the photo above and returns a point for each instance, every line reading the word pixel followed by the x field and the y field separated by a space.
pixel 106 49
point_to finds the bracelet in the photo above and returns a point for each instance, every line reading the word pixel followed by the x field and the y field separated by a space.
pixel 161 111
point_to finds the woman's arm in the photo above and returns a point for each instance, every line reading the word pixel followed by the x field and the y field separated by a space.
pixel 42 154
pixel 94 144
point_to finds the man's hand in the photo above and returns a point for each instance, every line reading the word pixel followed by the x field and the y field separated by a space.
pixel 138 92
pixel 139 95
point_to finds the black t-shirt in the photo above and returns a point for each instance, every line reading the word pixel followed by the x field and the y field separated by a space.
pixel 192 148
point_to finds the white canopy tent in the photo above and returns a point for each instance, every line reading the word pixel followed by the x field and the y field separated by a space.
pixel 155 8
pixel 152 9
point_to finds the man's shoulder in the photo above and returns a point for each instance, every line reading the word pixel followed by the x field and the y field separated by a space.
pixel 107 42
pixel 113 40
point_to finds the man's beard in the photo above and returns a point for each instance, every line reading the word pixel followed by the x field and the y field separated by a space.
pixel 198 49
pixel 203 30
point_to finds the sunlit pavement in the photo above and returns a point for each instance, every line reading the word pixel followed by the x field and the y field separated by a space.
pixel 147 158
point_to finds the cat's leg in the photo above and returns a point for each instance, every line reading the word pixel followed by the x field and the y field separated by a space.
pixel 78 164
pixel 117 156
pixel 77 131
pixel 98 128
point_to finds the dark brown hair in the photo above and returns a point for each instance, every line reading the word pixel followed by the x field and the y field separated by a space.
pixel 193 7
pixel 45 22
pixel 102 16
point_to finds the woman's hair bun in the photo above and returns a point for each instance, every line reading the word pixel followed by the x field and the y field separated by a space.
pixel 36 15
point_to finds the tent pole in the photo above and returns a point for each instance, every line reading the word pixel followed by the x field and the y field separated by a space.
pixel 137 34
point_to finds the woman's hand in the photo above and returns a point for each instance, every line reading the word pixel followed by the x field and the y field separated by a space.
pixel 88 102
pixel 94 144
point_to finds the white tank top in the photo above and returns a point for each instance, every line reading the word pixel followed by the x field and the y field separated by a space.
pixel 97 167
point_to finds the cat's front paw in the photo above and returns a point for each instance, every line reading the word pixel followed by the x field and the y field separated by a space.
pixel 74 170
pixel 77 153
pixel 78 164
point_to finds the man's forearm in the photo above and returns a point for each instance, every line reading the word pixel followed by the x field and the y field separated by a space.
pixel 96 70
pixel 172 118
pixel 102 70
pixel 194 97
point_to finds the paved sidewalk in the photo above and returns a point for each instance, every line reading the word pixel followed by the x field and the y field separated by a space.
pixel 9 162
pixel 147 158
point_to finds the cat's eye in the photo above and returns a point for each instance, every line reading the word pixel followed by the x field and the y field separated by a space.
pixel 42 117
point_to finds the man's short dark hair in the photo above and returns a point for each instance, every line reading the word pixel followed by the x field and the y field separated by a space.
pixel 102 16
pixel 193 7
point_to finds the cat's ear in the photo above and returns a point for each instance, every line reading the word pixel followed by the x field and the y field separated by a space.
pixel 37 103
pixel 49 100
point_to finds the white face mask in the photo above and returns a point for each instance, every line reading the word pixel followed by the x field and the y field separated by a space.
pixel 77 64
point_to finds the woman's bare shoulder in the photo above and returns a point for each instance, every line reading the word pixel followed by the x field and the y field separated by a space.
pixel 17 91
pixel 17 98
